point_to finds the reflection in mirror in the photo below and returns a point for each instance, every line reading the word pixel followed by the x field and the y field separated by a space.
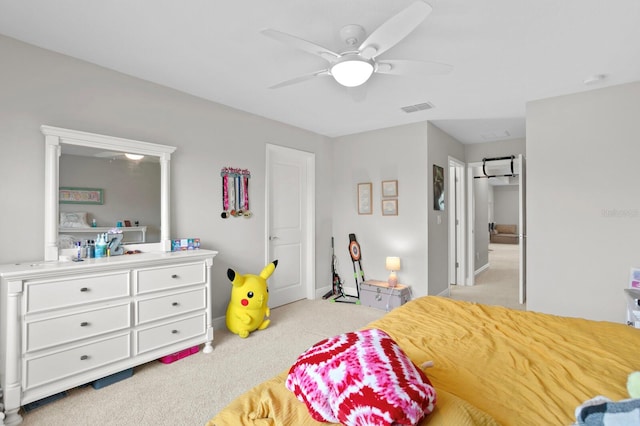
pixel 131 190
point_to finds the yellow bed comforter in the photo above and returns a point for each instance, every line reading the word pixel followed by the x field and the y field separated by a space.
pixel 492 365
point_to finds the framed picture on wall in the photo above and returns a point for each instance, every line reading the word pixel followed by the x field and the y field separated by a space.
pixel 390 207
pixel 364 198
pixel 438 188
pixel 69 195
pixel 389 188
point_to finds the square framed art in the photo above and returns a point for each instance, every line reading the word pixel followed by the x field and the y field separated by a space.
pixel 390 207
pixel 389 188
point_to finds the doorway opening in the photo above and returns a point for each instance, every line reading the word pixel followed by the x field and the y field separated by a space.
pixel 496 266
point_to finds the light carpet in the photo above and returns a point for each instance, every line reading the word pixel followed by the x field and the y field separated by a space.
pixel 499 283
pixel 192 390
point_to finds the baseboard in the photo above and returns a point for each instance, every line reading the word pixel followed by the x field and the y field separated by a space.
pixel 322 291
pixel 482 268
pixel 445 293
pixel 219 323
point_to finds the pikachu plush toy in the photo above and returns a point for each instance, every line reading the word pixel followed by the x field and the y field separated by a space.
pixel 248 310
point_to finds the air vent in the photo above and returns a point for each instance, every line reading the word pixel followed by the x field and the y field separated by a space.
pixel 417 107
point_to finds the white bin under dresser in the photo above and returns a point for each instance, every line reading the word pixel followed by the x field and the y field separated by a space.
pixel 64 324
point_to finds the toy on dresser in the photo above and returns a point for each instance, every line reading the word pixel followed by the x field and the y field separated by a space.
pixel 248 310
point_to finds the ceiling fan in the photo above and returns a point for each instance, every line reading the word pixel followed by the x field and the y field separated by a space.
pixel 354 66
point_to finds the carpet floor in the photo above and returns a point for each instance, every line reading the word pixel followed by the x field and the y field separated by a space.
pixel 192 390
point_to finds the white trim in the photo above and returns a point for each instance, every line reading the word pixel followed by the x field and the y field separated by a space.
pixel 55 136
pixel 460 206
pixel 445 293
pixel 482 268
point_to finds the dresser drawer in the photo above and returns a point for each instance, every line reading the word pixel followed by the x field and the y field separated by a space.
pixel 153 279
pixel 167 334
pixel 71 291
pixel 46 369
pixel 167 306
pixel 68 328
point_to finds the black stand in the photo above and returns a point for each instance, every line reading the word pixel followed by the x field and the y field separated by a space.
pixel 354 251
pixel 336 286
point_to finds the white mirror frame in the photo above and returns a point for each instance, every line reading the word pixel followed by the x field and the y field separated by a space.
pixel 55 136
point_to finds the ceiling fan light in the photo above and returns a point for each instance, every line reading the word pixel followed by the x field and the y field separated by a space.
pixel 352 71
pixel 134 156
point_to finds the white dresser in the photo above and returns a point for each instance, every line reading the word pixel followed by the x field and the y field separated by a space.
pixel 64 324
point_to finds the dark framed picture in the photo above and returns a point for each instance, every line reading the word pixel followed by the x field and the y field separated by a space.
pixel 438 188
pixel 127 223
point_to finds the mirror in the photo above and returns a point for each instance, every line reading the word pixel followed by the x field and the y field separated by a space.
pixel 69 152
pixel 129 189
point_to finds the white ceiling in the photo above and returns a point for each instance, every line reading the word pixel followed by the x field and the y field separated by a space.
pixel 505 53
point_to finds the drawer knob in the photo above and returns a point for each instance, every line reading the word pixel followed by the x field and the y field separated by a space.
pixel 84 357
pixel 174 331
pixel 84 324
pixel 175 304
pixel 174 276
pixel 84 289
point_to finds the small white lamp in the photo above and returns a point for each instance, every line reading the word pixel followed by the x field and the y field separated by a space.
pixel 392 264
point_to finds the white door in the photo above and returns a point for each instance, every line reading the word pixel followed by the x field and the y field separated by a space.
pixel 522 226
pixel 290 224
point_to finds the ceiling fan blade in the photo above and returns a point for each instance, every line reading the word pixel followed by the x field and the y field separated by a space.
pixel 300 79
pixel 301 44
pixel 403 67
pixel 395 29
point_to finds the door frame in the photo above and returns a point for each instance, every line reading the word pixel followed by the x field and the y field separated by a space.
pixel 457 185
pixel 308 231
pixel 522 284
pixel 522 231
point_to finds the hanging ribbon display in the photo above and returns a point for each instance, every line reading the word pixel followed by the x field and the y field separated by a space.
pixel 235 192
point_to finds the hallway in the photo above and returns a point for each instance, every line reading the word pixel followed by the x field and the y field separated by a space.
pixel 498 284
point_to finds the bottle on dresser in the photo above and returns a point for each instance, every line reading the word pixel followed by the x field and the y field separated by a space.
pixel 101 246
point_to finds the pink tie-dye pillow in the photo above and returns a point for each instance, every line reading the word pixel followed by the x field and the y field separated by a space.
pixel 361 378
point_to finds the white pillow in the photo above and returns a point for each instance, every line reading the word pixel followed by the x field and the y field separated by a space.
pixel 66 242
pixel 73 220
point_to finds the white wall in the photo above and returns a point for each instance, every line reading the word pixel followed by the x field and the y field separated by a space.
pixel 440 147
pixel 477 151
pixel 42 87
pixel 506 204
pixel 406 153
pixel 389 154
pixel 583 208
